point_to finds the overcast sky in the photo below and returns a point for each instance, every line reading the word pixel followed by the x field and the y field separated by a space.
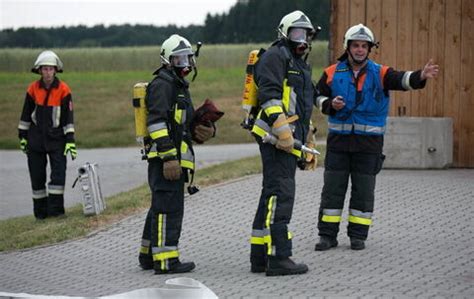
pixel 47 13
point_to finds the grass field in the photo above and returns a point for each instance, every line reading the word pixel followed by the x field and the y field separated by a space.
pixel 101 80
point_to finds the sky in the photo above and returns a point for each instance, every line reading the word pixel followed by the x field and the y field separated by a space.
pixel 55 13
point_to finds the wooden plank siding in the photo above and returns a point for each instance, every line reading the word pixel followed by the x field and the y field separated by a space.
pixel 410 33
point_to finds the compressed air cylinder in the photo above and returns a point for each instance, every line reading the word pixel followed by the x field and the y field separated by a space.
pixel 249 98
pixel 139 92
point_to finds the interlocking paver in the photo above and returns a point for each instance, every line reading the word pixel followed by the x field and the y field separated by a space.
pixel 420 245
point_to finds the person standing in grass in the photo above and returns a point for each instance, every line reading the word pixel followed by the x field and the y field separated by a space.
pixel 46 131
pixel 171 157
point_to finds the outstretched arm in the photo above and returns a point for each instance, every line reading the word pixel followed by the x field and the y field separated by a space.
pixel 430 70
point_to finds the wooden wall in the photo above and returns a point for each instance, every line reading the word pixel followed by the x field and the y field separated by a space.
pixel 410 32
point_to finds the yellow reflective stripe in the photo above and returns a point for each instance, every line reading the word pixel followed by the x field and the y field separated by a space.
pixel 152 155
pixel 286 95
pixel 184 147
pixel 144 250
pixel 268 238
pixel 257 240
pixel 171 152
pixel 187 164
pixel 159 133
pixel 296 152
pixel 273 109
pixel 160 230
pixel 332 219
pixel 165 255
pixel 178 114
pixel 359 220
pixel 290 235
pixel 258 131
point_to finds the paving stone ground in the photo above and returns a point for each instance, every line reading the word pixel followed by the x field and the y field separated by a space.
pixel 421 245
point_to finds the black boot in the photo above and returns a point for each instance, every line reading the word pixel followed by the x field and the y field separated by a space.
pixel 55 205
pixel 325 243
pixel 258 264
pixel 284 266
pixel 146 261
pixel 357 244
pixel 40 208
pixel 174 266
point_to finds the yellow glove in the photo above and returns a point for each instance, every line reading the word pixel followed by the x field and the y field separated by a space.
pixel 282 130
pixel 70 148
pixel 203 133
pixel 172 170
pixel 24 145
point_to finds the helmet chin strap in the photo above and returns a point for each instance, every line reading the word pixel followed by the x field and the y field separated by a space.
pixel 355 61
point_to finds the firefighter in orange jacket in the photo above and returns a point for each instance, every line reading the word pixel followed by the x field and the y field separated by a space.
pixel 46 130
pixel 354 93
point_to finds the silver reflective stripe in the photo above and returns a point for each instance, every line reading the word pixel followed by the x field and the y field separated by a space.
pixel 146 243
pixel 39 194
pixel 157 126
pixel 271 103
pixel 340 127
pixel 188 155
pixel 24 125
pixel 332 212
pixel 357 213
pixel 260 232
pixel 163 249
pixel 263 125
pixel 55 189
pixel 276 131
pixel 183 116
pixel 406 81
pixel 69 128
pixel 320 100
pixel 33 116
pixel 56 116
pixel 369 129
pixel 292 104
pixel 163 233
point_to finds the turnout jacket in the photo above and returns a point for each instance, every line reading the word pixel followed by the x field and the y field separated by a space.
pixel 170 111
pixel 47 119
pixel 284 86
pixel 360 125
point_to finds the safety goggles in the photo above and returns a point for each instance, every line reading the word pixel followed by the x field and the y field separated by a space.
pixel 183 60
pixel 299 35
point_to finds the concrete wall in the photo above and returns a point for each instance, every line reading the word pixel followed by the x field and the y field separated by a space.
pixel 418 142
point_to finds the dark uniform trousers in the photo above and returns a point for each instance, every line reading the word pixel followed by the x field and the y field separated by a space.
pixel 165 217
pixel 361 168
pixel 50 203
pixel 275 207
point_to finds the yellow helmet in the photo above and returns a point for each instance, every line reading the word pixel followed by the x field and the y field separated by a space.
pixel 47 57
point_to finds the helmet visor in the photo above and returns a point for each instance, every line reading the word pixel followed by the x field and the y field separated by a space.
pixel 181 60
pixel 298 35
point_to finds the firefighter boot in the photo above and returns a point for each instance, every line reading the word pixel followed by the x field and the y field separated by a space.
pixel 55 205
pixel 357 244
pixel 325 243
pixel 146 261
pixel 258 264
pixel 284 266
pixel 40 208
pixel 173 265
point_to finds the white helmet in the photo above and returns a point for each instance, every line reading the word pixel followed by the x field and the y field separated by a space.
pixel 179 47
pixel 47 58
pixel 296 19
pixel 359 32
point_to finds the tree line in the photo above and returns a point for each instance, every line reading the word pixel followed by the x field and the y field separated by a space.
pixel 247 21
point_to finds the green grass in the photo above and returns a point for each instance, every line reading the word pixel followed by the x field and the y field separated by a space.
pixel 102 90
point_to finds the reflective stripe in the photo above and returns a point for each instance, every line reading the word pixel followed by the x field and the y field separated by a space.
pixel 331 219
pixel 406 81
pixel 37 194
pixel 357 127
pixel 56 115
pixel 273 109
pixel 292 104
pixel 146 243
pixel 332 212
pixel 157 126
pixel 268 221
pixel 257 240
pixel 170 153
pixel 144 249
pixel 271 103
pixel 286 95
pixel 290 235
pixel 24 125
pixel 179 115
pixel 69 128
pixel 161 230
pixel 296 152
pixel 165 255
pixel 33 116
pixel 340 127
pixel 159 134
pixel 55 189
pixel 187 157
pixel 320 100
pixel 359 217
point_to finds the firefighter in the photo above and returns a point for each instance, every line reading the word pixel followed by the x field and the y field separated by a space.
pixel 46 131
pixel 354 93
pixel 284 90
pixel 171 156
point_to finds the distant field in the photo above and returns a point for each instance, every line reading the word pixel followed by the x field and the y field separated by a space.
pixel 101 80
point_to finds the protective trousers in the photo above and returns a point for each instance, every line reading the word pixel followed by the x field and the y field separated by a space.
pixel 164 219
pixel 362 169
pixel 270 235
pixel 47 202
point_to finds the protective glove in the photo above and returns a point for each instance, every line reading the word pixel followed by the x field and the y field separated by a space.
pixel 282 130
pixel 172 170
pixel 70 148
pixel 24 145
pixel 203 133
